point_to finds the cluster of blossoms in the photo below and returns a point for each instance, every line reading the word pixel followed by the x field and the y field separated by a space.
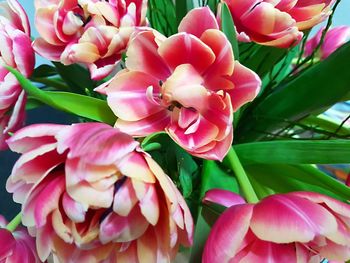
pixel 89 193
pixel 91 32
pixel 276 23
pixel 15 51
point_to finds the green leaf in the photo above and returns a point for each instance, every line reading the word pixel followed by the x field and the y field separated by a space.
pixel 76 77
pixel 326 124
pixel 315 88
pixel 162 16
pixel 187 168
pixel 228 27
pixel 83 106
pixel 262 59
pixel 182 8
pixel 213 5
pixel 295 152
pixel 80 105
pixel 213 176
pixel 33 104
pixel 283 178
pixel 44 71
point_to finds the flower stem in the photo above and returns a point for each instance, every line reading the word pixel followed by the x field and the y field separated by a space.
pixel 14 222
pixel 242 177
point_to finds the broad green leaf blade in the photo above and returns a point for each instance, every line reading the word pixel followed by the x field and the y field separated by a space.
pixel 283 178
pixel 295 152
pixel 319 87
pixel 80 105
pixel 77 77
pixel 228 27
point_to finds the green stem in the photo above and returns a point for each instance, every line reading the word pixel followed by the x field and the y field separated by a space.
pixel 242 177
pixel 14 223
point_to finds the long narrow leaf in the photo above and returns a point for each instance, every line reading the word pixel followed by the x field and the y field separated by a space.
pixel 316 88
pixel 295 152
pixel 283 178
pixel 84 106
pixel 228 27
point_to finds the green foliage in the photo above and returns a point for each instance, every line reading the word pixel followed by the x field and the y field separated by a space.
pixel 284 178
pixel 213 176
pixel 44 71
pixel 83 106
pixel 77 78
pixel 295 152
pixel 316 88
pixel 228 27
pixel 162 16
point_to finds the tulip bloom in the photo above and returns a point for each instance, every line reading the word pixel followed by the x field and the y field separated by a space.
pixel 16 247
pixel 276 23
pixel 90 32
pixel 16 52
pixel 334 38
pixel 188 85
pixel 90 194
pixel 293 227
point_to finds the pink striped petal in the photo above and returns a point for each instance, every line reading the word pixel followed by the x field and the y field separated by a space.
pixel 124 199
pixel 74 210
pixel 7 242
pixel 261 251
pixel 190 23
pixel 131 102
pixel 291 219
pixel 216 75
pixel 227 234
pixel 142 55
pixel 42 201
pixel 123 229
pixel 99 193
pixel 47 50
pixel 23 52
pixel 154 123
pixel 223 197
pixel 80 139
pixel 135 167
pixel 184 48
pixel 33 136
pixel 247 86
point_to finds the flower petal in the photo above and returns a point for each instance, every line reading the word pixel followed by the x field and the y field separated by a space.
pixel 223 197
pixel 190 23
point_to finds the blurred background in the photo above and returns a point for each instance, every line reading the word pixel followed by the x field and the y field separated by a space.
pixel 48 115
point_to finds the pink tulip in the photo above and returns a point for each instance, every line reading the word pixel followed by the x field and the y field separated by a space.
pixel 16 247
pixel 188 85
pixel 16 52
pixel 334 39
pixel 91 32
pixel 90 194
pixel 276 22
pixel 293 227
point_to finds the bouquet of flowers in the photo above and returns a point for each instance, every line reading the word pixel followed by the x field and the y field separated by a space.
pixel 198 131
